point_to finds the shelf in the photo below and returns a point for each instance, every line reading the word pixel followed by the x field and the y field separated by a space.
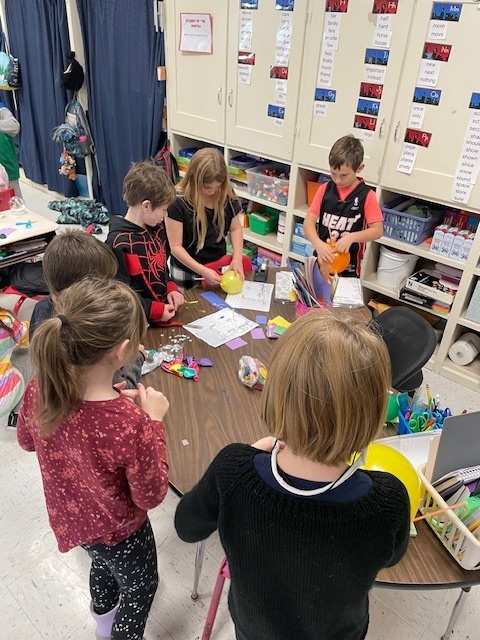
pixel 296 256
pixel 422 250
pixel 243 193
pixel 267 242
pixel 372 283
pixel 470 324
pixel 477 271
pixel 468 375
pixel 301 212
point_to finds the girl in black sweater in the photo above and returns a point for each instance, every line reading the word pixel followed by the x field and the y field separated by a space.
pixel 305 534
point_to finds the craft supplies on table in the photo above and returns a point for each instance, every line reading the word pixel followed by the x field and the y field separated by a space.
pixel 256 296
pixel 220 327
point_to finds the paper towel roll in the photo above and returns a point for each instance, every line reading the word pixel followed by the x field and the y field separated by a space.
pixel 465 350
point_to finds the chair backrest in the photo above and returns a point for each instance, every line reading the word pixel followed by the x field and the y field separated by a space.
pixel 410 341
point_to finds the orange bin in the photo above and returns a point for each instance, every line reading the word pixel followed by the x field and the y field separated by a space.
pixel 312 188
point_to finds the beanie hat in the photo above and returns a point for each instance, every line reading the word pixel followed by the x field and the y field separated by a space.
pixel 73 76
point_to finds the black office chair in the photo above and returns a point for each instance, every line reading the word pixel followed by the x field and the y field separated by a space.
pixel 410 341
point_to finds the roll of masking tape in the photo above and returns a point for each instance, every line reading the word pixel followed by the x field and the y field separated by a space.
pixel 465 350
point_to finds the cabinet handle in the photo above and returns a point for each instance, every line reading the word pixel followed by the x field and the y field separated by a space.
pixel 219 95
pixel 230 97
pixel 380 133
pixel 396 131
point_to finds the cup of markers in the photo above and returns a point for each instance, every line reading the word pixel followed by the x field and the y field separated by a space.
pixel 421 419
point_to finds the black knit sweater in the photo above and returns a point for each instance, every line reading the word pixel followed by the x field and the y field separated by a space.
pixel 301 569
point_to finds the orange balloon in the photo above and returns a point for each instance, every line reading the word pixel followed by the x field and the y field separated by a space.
pixel 340 260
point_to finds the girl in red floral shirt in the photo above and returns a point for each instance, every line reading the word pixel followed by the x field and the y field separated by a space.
pixel 101 456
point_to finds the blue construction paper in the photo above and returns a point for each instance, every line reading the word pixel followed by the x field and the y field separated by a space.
pixel 261 319
pixel 214 300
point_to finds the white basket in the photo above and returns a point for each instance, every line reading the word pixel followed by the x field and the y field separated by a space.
pixel 448 527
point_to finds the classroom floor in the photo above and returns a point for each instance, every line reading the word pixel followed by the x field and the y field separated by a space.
pixel 44 594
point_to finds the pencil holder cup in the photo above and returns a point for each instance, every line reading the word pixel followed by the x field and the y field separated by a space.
pixel 301 309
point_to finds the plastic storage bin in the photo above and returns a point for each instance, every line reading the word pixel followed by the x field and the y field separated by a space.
pixel 264 221
pixel 449 529
pixel 270 182
pixel 402 226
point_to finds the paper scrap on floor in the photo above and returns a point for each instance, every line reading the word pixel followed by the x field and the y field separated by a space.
pixel 256 296
pixel 220 327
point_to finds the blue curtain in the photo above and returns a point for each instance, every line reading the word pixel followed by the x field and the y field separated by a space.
pixel 38 35
pixel 122 53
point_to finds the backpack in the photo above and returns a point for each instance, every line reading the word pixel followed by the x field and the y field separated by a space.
pixel 166 160
pixel 74 133
pixel 9 68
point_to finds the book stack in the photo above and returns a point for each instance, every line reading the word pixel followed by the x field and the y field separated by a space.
pixel 463 486
pixel 432 289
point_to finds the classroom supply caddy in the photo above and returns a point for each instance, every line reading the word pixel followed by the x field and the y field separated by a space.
pixel 399 224
pixel 270 182
pixel 264 221
pixel 449 529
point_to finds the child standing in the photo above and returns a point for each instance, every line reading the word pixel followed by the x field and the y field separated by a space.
pixel 205 210
pixel 102 458
pixel 139 240
pixel 305 534
pixel 344 210
pixel 70 257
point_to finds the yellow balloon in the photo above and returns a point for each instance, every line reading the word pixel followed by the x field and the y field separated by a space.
pixel 380 457
pixel 231 282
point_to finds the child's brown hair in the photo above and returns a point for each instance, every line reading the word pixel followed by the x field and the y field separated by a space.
pixel 74 255
pixel 147 181
pixel 348 151
pixel 207 166
pixel 95 315
pixel 325 394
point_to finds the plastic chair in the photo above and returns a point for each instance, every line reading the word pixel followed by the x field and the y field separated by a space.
pixel 410 341
pixel 223 573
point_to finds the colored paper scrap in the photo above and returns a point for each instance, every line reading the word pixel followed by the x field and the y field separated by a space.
pixel 280 322
pixel 261 319
pixel 214 300
pixel 280 330
pixel 258 334
pixel 236 343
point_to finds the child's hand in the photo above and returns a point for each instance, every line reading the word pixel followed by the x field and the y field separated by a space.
pixel 212 277
pixel 141 348
pixel 131 394
pixel 266 444
pixel 175 298
pixel 324 252
pixel 236 265
pixel 343 244
pixel 152 402
pixel 168 313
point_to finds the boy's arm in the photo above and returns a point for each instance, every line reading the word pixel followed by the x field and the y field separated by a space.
pixel 324 253
pixel 374 223
pixel 8 123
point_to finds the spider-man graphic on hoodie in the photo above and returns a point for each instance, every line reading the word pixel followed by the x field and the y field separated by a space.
pixel 142 263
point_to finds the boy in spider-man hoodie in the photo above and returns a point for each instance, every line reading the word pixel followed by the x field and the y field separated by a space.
pixel 139 240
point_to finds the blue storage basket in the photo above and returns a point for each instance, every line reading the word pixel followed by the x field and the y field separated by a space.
pixel 405 227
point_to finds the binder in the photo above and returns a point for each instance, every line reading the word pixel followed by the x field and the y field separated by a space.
pixel 458 445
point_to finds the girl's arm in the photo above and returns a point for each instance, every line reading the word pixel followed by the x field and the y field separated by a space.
pixel 236 236
pixel 175 239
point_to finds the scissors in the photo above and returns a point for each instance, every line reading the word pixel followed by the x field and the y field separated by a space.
pixel 419 420
pixel 446 413
pixel 27 225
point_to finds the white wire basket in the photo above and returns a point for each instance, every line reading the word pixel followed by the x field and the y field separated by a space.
pixel 454 535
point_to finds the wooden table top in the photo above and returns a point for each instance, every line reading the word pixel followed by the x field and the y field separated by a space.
pixel 40 226
pixel 218 410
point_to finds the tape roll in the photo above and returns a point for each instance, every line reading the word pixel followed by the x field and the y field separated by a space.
pixel 465 350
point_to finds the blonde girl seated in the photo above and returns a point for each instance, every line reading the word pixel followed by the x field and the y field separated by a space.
pixel 101 456
pixel 205 210
pixel 305 534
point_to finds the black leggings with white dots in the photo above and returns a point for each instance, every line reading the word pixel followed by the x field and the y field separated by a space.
pixel 126 572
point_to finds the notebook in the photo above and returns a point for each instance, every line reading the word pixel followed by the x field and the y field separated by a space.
pixel 459 444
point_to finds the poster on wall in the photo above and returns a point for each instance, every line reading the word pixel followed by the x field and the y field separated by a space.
pixel 365 126
pixel 382 6
pixel 284 5
pixel 448 11
pixel 407 158
pixel 336 6
pixel 420 138
pixel 250 4
pixel 422 95
pixel 435 51
pixel 325 95
pixel 369 90
pixel 245 32
pixel 196 33
pixel 382 36
pixel 468 166
pixel 368 107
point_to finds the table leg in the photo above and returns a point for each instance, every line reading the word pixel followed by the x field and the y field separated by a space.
pixel 457 610
pixel 198 568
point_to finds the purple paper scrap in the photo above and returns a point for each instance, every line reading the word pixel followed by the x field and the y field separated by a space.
pixel 236 343
pixel 258 334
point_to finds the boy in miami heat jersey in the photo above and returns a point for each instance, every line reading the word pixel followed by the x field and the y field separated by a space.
pixel 344 209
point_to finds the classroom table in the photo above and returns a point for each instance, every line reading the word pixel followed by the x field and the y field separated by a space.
pixel 217 410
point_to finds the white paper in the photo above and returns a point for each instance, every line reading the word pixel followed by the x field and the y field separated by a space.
pixel 348 293
pixel 429 73
pixel 461 192
pixel 282 55
pixel 281 86
pixel 280 100
pixel 375 73
pixel 245 31
pixel 437 30
pixel 196 32
pixel 325 68
pixel 278 123
pixel 385 21
pixel 382 39
pixel 365 134
pixel 284 38
pixel 468 167
pixel 407 158
pixel 220 327
pixel 245 74
pixel 320 108
pixel 331 30
pixel 417 114
pixel 256 296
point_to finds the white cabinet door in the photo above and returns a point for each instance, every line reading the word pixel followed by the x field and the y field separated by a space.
pixel 334 66
pixel 435 167
pixel 261 106
pixel 196 81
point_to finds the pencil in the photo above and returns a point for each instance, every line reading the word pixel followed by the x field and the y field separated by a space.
pixel 434 513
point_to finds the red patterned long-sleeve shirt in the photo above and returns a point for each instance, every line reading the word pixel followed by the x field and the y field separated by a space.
pixel 102 469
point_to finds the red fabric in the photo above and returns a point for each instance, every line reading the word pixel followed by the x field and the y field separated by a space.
pixel 5 196
pixel 226 260
pixel 171 286
pixel 157 309
pixel 373 212
pixel 133 263
pixel 102 469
